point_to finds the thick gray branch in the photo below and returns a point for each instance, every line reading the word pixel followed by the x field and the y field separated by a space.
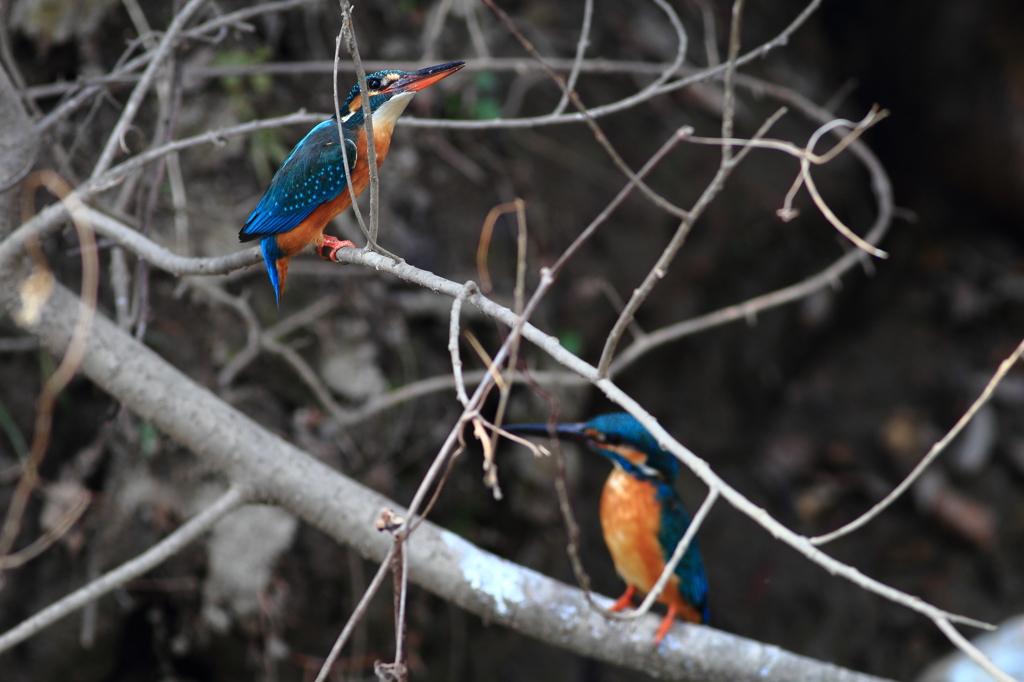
pixel 18 140
pixel 495 589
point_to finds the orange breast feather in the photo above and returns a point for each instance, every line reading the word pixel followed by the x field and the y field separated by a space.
pixel 630 520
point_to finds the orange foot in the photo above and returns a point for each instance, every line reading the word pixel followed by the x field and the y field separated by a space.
pixel 666 625
pixel 328 249
pixel 625 600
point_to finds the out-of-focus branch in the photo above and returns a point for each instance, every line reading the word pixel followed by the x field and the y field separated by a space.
pixel 18 141
pixel 167 43
pixel 129 570
pixel 933 453
pixel 31 295
pixel 52 216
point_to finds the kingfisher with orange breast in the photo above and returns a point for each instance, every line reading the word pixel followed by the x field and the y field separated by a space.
pixel 642 517
pixel 311 187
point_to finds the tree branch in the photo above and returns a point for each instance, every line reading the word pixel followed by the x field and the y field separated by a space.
pixel 129 570
pixel 495 589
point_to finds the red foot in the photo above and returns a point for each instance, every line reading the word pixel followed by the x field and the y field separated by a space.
pixel 328 249
pixel 666 625
pixel 625 600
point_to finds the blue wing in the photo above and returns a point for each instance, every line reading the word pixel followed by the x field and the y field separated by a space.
pixel 313 173
pixel 693 583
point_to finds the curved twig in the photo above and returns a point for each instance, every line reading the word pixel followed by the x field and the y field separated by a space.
pixel 157 554
pixel 935 451
pixel 33 294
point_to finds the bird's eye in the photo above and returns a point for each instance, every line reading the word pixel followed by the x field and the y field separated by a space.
pixel 613 439
pixel 373 83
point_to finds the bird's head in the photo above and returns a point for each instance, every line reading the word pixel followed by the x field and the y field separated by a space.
pixel 390 90
pixel 618 437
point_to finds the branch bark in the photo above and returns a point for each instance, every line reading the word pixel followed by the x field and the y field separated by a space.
pixel 18 143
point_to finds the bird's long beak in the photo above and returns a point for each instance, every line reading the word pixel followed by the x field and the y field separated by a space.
pixel 573 432
pixel 417 80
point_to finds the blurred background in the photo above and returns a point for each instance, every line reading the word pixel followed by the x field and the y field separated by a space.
pixel 814 410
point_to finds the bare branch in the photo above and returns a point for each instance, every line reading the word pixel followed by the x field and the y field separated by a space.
pixel 145 562
pixel 577 63
pixel 357 614
pixel 749 309
pixel 453 343
pixel 349 31
pixel 1004 367
pixel 167 43
pixel 660 269
pixel 32 295
pixel 599 135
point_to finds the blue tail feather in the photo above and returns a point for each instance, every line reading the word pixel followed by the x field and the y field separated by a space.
pixel 271 254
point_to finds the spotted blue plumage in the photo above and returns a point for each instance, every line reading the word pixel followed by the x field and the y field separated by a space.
pixel 312 174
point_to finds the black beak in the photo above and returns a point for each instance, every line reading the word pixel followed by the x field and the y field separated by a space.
pixel 572 432
pixel 417 80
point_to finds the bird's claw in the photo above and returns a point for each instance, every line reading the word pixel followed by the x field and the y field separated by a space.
pixel 328 250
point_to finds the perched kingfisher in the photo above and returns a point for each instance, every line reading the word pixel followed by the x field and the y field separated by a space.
pixel 311 187
pixel 642 517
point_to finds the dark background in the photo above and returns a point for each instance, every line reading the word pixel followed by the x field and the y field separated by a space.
pixel 815 411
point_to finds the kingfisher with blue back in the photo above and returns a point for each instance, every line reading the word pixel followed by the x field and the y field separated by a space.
pixel 311 186
pixel 642 516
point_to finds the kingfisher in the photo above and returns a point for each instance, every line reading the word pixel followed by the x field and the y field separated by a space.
pixel 642 516
pixel 311 186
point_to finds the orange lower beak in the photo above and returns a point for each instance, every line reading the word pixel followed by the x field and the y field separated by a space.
pixel 417 80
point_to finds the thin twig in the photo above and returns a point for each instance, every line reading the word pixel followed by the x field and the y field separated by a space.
pixel 1004 367
pixel 34 292
pixel 660 269
pixel 484 245
pixel 66 521
pixel 805 176
pixel 599 135
pixel 677 555
pixel 155 555
pixel 577 62
pixel 476 32
pixel 357 614
pixel 453 342
pixel 228 373
pixel 349 31
pixel 308 376
pixel 167 43
pixel 973 652
pixel 432 28
pixel 572 528
pixel 518 296
pixel 710 34
pixel 401 573
pixel 339 119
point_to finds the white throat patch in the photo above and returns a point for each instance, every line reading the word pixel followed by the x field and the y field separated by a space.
pixel 387 115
